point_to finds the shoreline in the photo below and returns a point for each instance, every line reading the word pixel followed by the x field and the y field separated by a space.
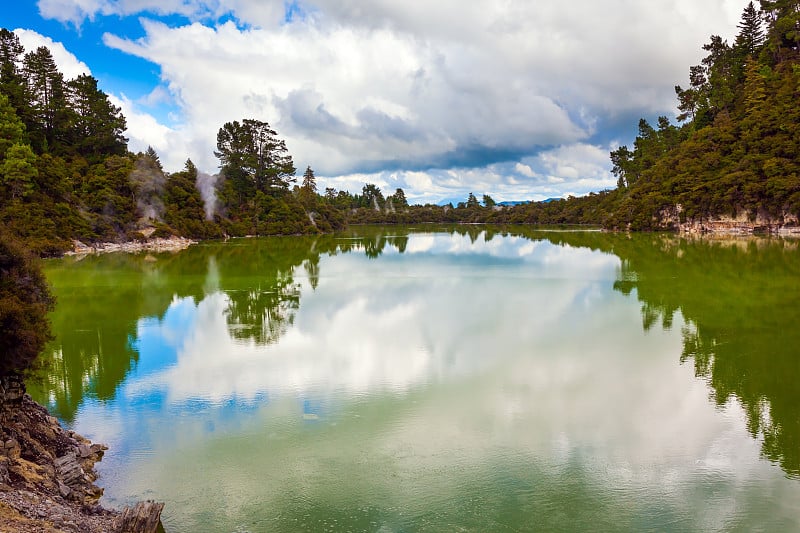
pixel 741 223
pixel 47 475
pixel 732 228
pixel 169 244
pixel 711 228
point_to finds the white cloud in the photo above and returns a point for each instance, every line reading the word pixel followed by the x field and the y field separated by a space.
pixel 77 11
pixel 340 104
pixel 74 11
pixel 583 166
pixel 67 63
pixel 159 95
pixel 143 130
pixel 525 170
pixel 574 169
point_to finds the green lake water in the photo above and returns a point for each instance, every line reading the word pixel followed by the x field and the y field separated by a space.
pixel 439 379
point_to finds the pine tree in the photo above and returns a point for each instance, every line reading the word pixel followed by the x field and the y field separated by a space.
pixel 622 166
pixel 309 182
pixel 721 75
pixel 48 123
pixel 308 189
pixel 151 154
pixel 18 171
pixel 371 196
pixel 755 91
pixel 399 199
pixel 254 159
pixel 694 100
pixel 96 124
pixel 751 34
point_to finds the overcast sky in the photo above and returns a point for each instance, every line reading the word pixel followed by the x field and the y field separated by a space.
pixel 520 99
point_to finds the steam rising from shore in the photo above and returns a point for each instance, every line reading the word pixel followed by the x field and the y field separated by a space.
pixel 148 182
pixel 207 184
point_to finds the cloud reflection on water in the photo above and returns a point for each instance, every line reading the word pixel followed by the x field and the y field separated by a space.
pixel 376 331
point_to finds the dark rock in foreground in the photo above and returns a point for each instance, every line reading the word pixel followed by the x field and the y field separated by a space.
pixel 47 475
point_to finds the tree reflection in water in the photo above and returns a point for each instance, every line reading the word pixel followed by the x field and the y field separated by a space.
pixel 740 296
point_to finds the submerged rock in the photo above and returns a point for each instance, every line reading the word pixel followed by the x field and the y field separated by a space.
pixel 143 517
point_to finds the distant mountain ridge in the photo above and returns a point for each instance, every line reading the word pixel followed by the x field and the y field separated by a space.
pixel 511 203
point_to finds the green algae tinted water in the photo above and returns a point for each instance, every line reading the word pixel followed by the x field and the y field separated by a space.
pixel 476 379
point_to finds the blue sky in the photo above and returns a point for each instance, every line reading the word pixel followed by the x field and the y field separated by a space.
pixel 517 99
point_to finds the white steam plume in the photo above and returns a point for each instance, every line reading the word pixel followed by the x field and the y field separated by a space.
pixel 207 184
pixel 148 181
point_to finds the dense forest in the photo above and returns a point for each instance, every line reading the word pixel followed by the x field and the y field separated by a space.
pixel 735 152
pixel 66 172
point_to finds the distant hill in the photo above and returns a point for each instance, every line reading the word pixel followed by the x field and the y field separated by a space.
pixel 509 203
pixel 512 203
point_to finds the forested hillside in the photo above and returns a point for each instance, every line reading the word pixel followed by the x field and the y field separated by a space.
pixel 65 169
pixel 738 152
pixel 735 151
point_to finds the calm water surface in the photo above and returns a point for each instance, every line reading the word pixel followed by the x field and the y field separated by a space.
pixel 478 379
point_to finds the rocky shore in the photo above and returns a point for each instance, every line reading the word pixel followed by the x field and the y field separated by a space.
pixel 47 475
pixel 739 227
pixel 741 224
pixel 170 244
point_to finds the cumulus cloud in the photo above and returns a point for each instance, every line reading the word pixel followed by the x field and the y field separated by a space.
pixel 143 130
pixel 342 106
pixel 68 64
pixel 159 95
pixel 583 167
pixel 415 89
pixel 574 169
